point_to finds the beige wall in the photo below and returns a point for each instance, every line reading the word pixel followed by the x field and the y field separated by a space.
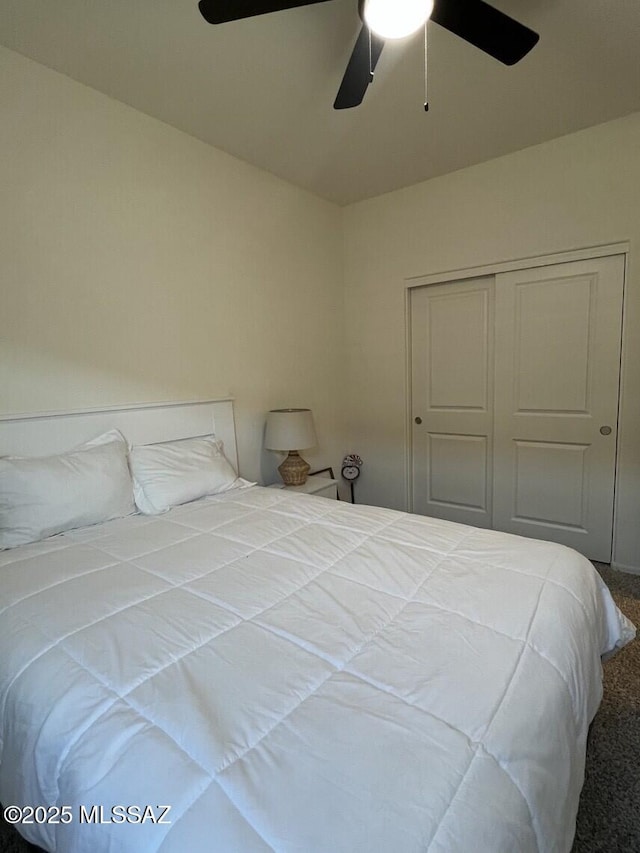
pixel 138 264
pixel 578 191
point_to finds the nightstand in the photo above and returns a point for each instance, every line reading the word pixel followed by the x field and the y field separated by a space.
pixel 322 487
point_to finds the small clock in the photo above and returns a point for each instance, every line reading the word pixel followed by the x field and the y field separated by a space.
pixel 351 472
pixel 351 465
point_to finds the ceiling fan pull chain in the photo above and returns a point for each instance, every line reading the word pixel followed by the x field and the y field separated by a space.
pixel 370 59
pixel 426 92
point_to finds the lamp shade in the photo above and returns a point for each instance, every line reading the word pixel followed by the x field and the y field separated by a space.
pixel 289 429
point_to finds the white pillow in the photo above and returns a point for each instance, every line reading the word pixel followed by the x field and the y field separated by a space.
pixel 40 496
pixel 176 472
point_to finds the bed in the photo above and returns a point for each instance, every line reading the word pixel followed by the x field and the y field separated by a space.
pixel 259 670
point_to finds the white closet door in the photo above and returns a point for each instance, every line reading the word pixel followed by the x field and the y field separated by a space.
pixel 557 341
pixel 452 400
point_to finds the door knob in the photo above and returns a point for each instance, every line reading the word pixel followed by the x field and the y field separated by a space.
pixel 605 430
pixel 418 420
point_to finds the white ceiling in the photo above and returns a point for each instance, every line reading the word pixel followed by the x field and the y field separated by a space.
pixel 263 88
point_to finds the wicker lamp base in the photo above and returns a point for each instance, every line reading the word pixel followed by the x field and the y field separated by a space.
pixel 294 469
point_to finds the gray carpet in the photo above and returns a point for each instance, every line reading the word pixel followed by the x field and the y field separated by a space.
pixel 609 815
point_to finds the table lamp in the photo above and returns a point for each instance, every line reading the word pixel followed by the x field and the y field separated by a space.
pixel 291 430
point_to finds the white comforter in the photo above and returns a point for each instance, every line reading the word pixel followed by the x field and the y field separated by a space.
pixel 290 673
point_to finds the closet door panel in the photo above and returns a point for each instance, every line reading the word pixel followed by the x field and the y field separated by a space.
pixel 557 338
pixel 452 400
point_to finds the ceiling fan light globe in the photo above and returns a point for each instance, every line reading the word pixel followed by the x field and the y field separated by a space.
pixel 396 19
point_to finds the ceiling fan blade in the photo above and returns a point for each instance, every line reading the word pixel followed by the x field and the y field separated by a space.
pixel 221 11
pixel 359 71
pixel 486 28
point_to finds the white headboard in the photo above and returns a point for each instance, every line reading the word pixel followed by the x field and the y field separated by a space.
pixel 148 423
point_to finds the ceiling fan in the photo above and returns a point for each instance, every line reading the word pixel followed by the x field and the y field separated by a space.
pixel 475 21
